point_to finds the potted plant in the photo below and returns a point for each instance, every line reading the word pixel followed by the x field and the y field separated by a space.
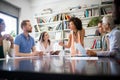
pixel 94 21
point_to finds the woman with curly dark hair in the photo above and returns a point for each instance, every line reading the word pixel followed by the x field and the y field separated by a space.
pixel 76 36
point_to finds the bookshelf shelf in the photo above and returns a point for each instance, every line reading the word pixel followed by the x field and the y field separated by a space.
pixel 106 5
pixel 88 18
pixel 50 23
pixel 66 30
pixel 106 14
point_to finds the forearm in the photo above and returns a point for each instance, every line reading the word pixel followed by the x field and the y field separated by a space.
pixel 11 50
pixel 12 45
pixel 66 46
pixel 105 53
pixel 23 54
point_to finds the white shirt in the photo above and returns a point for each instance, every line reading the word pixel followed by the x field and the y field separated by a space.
pixel 41 47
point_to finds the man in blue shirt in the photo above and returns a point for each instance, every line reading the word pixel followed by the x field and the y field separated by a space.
pixel 114 39
pixel 24 43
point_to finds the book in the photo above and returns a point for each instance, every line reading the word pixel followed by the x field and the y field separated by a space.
pixel 67 17
pixel 94 44
pixel 108 10
pixel 95 12
pixel 37 28
pixel 55 52
pixel 87 13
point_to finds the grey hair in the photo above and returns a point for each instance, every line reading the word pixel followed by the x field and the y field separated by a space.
pixel 107 19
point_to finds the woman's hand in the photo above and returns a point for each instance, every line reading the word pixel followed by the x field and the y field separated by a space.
pixel 8 37
pixel 61 43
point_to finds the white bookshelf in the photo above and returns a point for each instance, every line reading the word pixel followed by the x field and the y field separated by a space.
pixel 62 33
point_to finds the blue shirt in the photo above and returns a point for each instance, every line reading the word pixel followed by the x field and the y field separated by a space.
pixel 114 43
pixel 25 45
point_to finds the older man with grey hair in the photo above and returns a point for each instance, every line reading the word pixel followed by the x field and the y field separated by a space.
pixel 114 39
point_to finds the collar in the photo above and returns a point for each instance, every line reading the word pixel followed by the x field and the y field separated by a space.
pixel 25 36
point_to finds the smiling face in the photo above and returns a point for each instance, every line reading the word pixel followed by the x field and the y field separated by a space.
pixel 106 27
pixel 100 28
pixel 46 37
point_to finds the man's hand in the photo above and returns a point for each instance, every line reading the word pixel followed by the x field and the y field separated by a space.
pixel 91 53
pixel 37 53
pixel 40 53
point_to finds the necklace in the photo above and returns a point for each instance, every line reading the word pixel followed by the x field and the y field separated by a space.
pixel 75 36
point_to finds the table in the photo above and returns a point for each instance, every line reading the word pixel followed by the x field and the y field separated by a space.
pixel 59 68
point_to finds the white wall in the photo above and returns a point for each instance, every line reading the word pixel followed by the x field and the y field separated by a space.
pixel 58 5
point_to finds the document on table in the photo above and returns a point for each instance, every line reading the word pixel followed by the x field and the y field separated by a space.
pixel 81 49
pixel 82 58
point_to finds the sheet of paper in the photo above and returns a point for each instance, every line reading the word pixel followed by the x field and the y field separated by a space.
pixel 82 58
pixel 81 49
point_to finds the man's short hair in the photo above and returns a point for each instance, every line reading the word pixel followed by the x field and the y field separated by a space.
pixel 24 23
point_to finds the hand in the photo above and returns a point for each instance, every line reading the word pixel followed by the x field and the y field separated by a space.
pixel 8 37
pixel 41 53
pixel 91 53
pixel 37 53
pixel 61 43
pixel 51 52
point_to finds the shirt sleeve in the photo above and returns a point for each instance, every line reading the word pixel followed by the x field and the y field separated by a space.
pixel 33 42
pixel 17 40
pixel 106 53
pixel 116 40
